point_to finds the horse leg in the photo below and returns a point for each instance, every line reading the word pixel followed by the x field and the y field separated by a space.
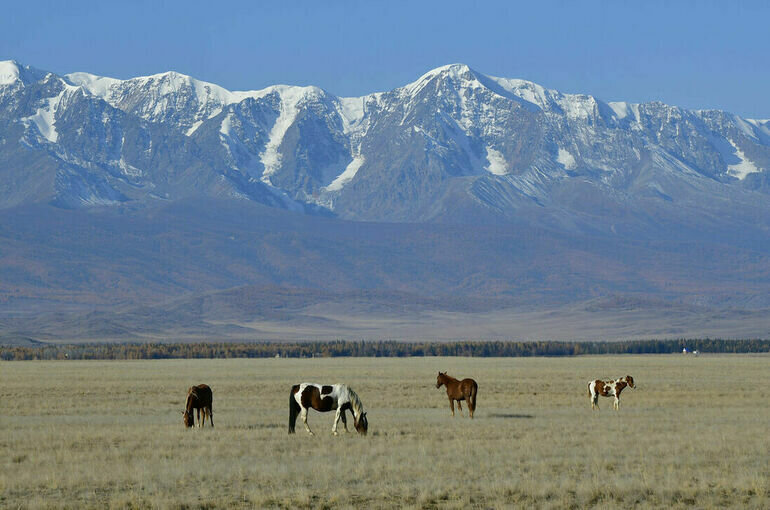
pixel 617 403
pixel 304 420
pixel 336 420
pixel 460 407
pixel 452 406
pixel 198 412
pixel 211 416
pixel 344 421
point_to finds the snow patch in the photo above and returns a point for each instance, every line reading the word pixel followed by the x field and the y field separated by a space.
pixel 528 91
pixel 566 159
pixel 128 169
pixel 351 110
pixel 737 164
pixel 497 164
pixel 45 120
pixel 347 175
pixel 290 99
pixel 194 127
pixel 225 126
pixel 621 109
pixel 45 117
pixel 579 106
pixel 744 166
pixel 9 72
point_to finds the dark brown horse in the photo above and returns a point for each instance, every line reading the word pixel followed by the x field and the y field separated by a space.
pixel 459 390
pixel 198 397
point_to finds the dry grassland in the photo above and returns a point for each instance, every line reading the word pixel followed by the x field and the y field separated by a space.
pixel 110 435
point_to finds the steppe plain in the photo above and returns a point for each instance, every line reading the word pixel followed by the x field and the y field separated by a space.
pixel 98 434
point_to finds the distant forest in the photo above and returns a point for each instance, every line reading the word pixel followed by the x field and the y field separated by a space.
pixel 373 349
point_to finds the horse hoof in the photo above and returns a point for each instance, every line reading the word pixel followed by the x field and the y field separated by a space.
pixel 335 433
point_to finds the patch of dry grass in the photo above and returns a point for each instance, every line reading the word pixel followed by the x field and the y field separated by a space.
pixel 110 434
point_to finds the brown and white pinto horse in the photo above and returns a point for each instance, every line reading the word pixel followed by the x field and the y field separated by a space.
pixel 198 397
pixel 324 398
pixel 608 389
pixel 459 390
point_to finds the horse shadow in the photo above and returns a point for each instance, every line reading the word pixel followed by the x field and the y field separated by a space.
pixel 259 426
pixel 510 416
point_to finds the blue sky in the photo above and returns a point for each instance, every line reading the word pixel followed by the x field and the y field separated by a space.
pixel 692 54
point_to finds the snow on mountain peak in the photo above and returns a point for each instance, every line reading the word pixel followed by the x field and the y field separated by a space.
pixel 450 70
pixel 456 72
pixel 9 72
pixel 12 72
pixel 162 84
pixel 96 85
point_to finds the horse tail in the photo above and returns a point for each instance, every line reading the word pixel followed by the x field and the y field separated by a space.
pixel 294 408
pixel 472 399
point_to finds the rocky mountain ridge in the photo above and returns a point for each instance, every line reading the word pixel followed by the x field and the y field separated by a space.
pixel 452 143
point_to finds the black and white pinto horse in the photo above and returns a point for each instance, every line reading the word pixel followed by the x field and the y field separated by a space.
pixel 326 398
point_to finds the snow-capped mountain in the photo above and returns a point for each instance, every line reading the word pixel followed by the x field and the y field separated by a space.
pixel 459 185
pixel 452 144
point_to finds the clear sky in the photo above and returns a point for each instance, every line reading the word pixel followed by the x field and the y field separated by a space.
pixel 693 54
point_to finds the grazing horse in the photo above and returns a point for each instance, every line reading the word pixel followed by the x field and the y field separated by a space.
pixel 459 390
pixel 198 397
pixel 608 389
pixel 325 398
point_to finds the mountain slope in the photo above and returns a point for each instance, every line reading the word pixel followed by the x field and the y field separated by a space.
pixel 175 194
pixel 221 269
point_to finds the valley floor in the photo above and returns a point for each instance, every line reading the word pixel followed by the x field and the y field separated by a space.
pixel 109 434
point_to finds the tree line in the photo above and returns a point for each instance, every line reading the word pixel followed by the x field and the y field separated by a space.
pixel 339 348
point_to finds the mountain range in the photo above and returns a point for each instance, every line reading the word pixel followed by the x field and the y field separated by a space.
pixel 459 193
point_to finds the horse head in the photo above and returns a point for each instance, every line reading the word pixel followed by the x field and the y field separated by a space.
pixel 440 379
pixel 187 417
pixel 361 424
pixel 630 381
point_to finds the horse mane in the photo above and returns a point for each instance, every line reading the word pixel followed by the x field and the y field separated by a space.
pixel 355 403
pixel 451 379
pixel 188 403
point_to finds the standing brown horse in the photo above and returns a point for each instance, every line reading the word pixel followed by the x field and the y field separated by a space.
pixel 198 397
pixel 459 390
